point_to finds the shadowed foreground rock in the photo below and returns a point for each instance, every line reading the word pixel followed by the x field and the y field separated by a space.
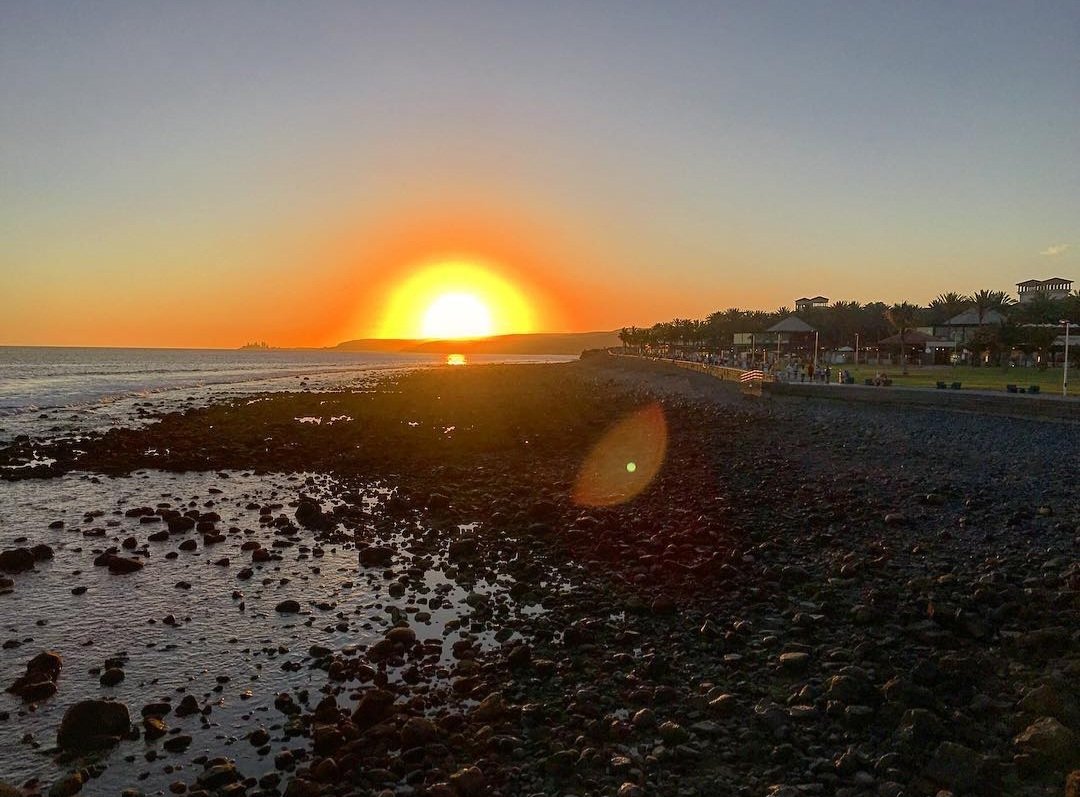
pixel 93 725
pixel 39 681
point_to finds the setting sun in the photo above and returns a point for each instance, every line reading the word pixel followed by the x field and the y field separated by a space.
pixel 457 315
pixel 456 298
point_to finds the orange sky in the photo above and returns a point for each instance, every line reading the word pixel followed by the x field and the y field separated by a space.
pixel 318 287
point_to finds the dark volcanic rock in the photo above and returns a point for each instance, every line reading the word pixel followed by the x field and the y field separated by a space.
pixel 16 560
pixel 39 681
pixel 1050 744
pixel 310 515
pixel 122 564
pixel 374 706
pixel 376 556
pixel 180 524
pixel 93 725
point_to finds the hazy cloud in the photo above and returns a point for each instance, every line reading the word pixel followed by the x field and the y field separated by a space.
pixel 1054 250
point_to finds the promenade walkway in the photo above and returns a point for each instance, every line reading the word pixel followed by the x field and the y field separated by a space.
pixel 1028 405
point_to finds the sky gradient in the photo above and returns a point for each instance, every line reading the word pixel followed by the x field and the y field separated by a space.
pixel 204 174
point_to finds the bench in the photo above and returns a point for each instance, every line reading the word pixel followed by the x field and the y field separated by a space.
pixel 1033 389
pixel 1009 388
pixel 940 385
pixel 955 385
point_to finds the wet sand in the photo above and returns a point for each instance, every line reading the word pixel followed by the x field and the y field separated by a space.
pixel 805 600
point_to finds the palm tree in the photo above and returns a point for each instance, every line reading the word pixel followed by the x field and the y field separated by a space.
pixel 985 300
pixel 947 305
pixel 902 318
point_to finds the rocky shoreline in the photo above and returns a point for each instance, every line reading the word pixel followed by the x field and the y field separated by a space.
pixel 805 600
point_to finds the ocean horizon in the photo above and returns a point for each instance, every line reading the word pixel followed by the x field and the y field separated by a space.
pixel 72 390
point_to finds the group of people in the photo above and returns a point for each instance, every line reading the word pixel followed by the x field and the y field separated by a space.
pixel 808 372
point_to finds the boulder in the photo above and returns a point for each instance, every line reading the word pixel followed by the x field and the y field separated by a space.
pixel 376 556
pixel 39 680
pixel 121 564
pixel 219 775
pixel 491 708
pixel 851 690
pixel 468 782
pixel 401 636
pixel 68 785
pixel 1050 744
pixel 374 706
pixel 16 560
pixel 310 515
pixel 418 731
pixel 177 744
pixel 180 524
pixel 955 766
pixel 93 725
pixel 188 706
pixel 464 548
pixel 154 728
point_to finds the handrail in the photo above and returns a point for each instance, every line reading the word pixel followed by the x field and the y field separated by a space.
pixel 719 371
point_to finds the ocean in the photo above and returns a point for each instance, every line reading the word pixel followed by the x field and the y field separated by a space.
pixel 191 623
pixel 53 391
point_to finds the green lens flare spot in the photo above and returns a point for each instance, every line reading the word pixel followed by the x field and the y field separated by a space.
pixel 631 467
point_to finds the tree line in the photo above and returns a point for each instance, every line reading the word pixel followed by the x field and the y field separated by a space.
pixel 1024 328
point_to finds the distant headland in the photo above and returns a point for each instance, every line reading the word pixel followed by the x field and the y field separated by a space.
pixel 536 343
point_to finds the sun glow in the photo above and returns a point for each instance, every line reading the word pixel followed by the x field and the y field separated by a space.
pixel 456 315
pixel 456 298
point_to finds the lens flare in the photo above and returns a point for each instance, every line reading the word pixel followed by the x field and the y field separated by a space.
pixel 625 461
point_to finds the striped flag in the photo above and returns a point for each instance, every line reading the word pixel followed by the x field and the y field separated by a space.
pixel 750 376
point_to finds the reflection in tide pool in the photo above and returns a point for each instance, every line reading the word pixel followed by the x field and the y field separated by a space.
pixel 189 623
pixel 456 359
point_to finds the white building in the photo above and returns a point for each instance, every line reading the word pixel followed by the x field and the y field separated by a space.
pixel 1053 288
pixel 806 303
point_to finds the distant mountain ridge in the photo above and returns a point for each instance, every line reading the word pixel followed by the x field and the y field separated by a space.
pixel 533 343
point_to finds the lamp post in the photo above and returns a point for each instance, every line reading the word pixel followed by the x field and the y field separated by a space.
pixel 856 348
pixel 1065 374
pixel 815 349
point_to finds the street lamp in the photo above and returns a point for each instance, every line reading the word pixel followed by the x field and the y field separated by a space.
pixel 856 348
pixel 1065 374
